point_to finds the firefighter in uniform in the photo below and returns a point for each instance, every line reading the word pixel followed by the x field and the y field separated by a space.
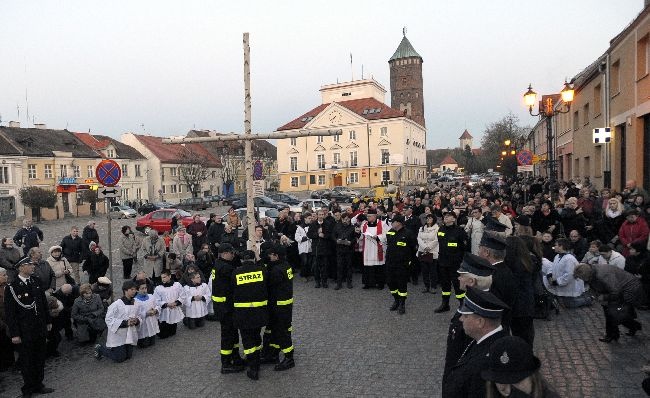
pixel 473 272
pixel 250 308
pixel 452 241
pixel 221 276
pixel 280 284
pixel 401 247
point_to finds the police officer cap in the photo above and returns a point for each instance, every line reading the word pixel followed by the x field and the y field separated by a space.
pixel 24 261
pixel 493 224
pixel 277 249
pixel 511 360
pixel 450 213
pixel 473 264
pixel 492 242
pixel 482 303
pixel 247 255
pixel 226 248
pixel 398 218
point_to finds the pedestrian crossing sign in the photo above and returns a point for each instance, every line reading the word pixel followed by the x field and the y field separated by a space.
pixel 602 135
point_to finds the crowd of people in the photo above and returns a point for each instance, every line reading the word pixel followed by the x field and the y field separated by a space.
pixel 509 250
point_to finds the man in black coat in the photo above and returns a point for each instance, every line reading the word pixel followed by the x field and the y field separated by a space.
pixel 320 233
pixel 504 285
pixel 481 317
pixel 413 224
pixel 73 249
pixel 345 234
pixel 215 232
pixel 401 246
pixel 28 322
pixel 28 236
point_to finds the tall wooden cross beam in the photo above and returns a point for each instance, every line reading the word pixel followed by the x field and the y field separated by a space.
pixel 248 137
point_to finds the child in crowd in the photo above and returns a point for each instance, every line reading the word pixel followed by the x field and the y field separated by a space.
pixel 591 257
pixel 197 297
pixel 148 310
pixel 169 297
pixel 168 240
pixel 122 321
pixel 174 266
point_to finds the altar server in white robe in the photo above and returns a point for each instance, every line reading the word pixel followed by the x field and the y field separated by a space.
pixel 197 297
pixel 148 311
pixel 170 297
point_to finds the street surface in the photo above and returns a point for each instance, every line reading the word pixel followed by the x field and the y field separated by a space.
pixel 347 345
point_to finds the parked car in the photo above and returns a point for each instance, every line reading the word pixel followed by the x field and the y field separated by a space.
pixel 343 194
pixel 192 204
pixel 260 201
pixel 121 211
pixel 284 198
pixel 313 204
pixel 263 212
pixel 321 193
pixel 161 220
pixel 227 201
pixel 148 208
pixel 213 198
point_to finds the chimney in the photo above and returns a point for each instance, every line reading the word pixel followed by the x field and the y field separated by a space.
pixel 41 126
pixel 14 124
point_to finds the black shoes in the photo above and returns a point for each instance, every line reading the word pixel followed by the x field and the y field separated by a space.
pixel 608 339
pixel 271 359
pixel 402 307
pixel 350 285
pixel 325 284
pixel 232 368
pixel 394 306
pixel 338 286
pixel 253 374
pixel 44 390
pixel 317 286
pixel 444 307
pixel 287 363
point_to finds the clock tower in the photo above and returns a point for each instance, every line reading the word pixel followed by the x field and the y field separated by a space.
pixel 406 85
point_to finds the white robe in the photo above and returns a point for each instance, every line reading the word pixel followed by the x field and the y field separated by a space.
pixel 149 325
pixel 371 250
pixel 165 295
pixel 117 336
pixel 197 309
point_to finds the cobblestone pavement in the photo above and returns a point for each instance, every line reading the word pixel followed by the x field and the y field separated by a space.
pixel 347 345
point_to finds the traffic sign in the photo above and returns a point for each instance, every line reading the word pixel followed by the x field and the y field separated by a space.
pixel 524 168
pixel 109 192
pixel 108 172
pixel 525 157
pixel 258 188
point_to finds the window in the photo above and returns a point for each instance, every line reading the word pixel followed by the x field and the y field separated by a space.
pixel 4 175
pixel 642 57
pixel 180 188
pixel 294 163
pixel 173 171
pixel 337 138
pixel 138 193
pixel 320 139
pixel 321 161
pixel 303 180
pixel 383 131
pixel 337 158
pixel 63 170
pixel 576 120
pixel 353 158
pixel 312 179
pixel 125 194
pixel 125 170
pixel 137 170
pixel 597 100
pixel 110 153
pixel 90 171
pixel 586 167
pixel 164 189
pixel 585 116
pixel 174 188
pixel 294 182
pixel 321 180
pixel 353 135
pixel 598 161
pixel 48 171
pixel 294 141
pixel 385 175
pixel 77 171
pixel 354 178
pixel 31 171
pixel 385 156
pixel 214 174
pixel 615 78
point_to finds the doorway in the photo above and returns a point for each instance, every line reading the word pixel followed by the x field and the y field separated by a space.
pixel 7 209
pixel 623 162
pixel 337 180
pixel 66 202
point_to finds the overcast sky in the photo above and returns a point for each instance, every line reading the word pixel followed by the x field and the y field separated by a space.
pixel 113 66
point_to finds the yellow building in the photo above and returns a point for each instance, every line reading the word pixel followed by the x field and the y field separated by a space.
pixel 55 160
pixel 378 143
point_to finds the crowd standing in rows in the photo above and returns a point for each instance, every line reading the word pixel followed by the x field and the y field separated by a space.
pixel 508 250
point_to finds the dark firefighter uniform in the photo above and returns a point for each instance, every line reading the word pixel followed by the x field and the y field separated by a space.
pixel 280 285
pixel 401 247
pixel 250 308
pixel 457 339
pixel 452 241
pixel 223 308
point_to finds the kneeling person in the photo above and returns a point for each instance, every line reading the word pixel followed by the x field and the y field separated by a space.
pixel 122 321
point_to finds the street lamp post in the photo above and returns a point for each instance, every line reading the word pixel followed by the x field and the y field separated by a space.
pixel 547 109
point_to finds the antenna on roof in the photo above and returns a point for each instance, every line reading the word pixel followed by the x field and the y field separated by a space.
pixel 142 125
pixel 361 71
pixel 351 67
pixel 404 31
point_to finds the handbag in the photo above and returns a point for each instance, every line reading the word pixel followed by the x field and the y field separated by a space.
pixel 620 312
pixel 69 279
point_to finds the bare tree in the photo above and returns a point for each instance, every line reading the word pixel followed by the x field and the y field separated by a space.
pixel 193 170
pixel 228 171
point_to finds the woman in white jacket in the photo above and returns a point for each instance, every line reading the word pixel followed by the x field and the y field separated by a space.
pixel 428 253
pixel 304 243
pixel 474 229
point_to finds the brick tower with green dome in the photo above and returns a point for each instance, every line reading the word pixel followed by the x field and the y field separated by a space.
pixel 406 85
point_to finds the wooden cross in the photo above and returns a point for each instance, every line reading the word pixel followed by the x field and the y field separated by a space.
pixel 248 137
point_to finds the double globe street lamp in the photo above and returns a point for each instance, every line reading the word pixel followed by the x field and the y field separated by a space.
pixel 547 109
